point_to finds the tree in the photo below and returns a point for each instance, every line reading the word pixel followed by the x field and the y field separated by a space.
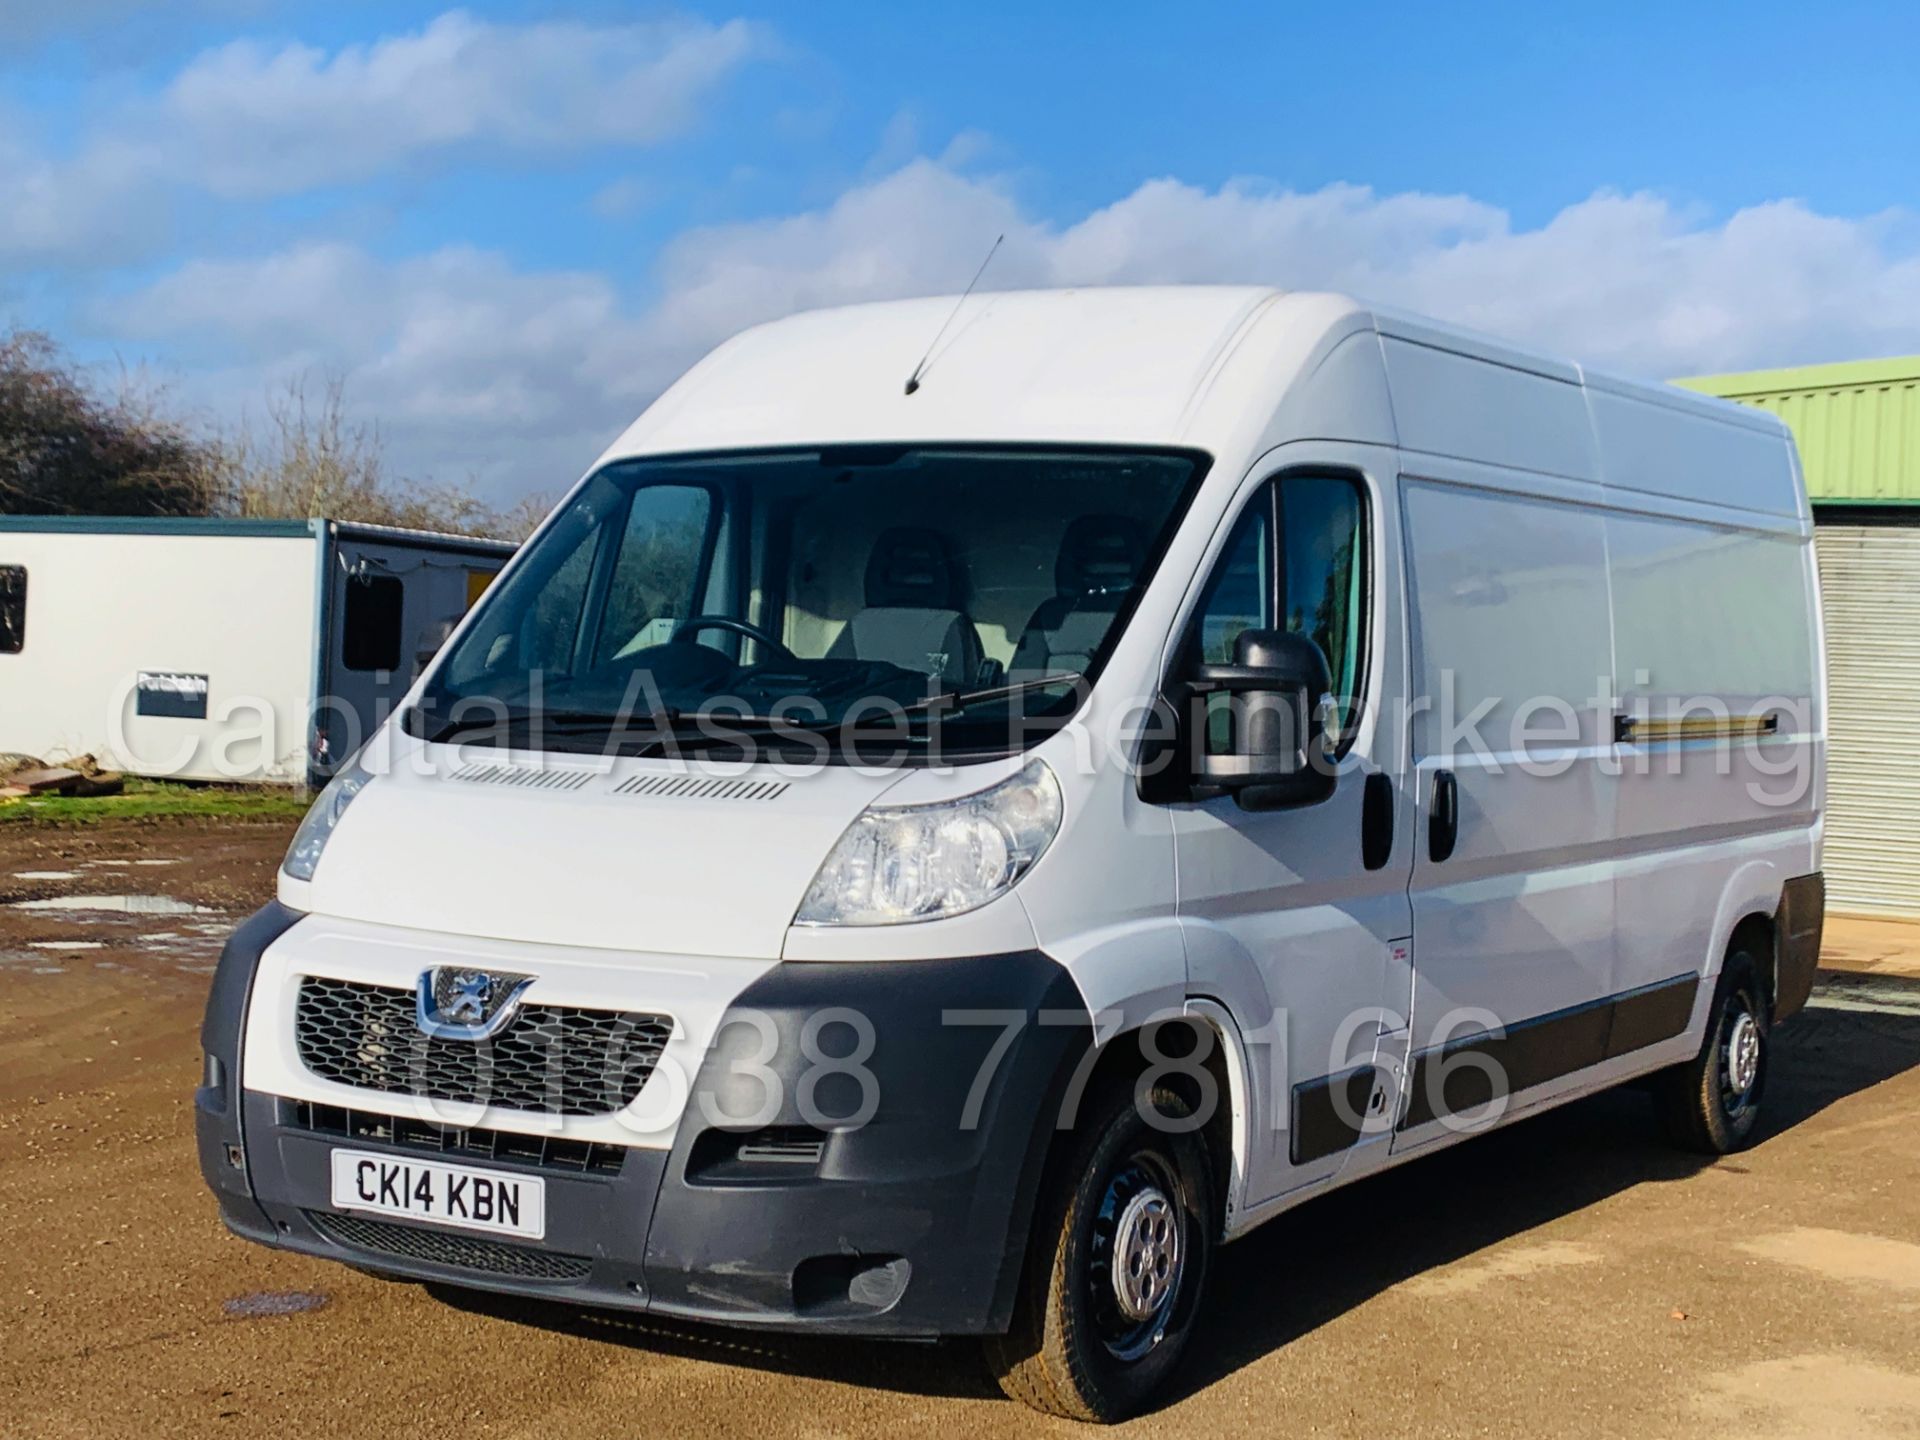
pixel 313 459
pixel 66 451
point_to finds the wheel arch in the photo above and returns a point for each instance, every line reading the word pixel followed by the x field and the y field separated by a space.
pixel 1749 903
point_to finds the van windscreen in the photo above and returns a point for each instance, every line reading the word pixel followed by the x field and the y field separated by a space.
pixel 926 592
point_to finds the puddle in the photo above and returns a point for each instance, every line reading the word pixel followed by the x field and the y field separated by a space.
pixel 117 905
pixel 156 862
pixel 118 924
pixel 46 874
pixel 263 1304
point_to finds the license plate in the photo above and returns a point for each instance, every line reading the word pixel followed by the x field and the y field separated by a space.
pixel 458 1195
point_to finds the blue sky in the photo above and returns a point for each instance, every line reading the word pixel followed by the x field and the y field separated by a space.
pixel 509 225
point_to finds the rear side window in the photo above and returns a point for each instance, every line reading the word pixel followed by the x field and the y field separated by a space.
pixel 371 639
pixel 13 609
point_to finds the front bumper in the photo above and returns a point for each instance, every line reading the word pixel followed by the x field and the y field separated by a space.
pixel 911 1224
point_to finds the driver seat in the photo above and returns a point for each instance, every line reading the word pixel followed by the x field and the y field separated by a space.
pixel 1101 557
pixel 913 616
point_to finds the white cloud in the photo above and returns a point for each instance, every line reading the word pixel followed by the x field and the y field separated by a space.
pixel 518 377
pixel 620 198
pixel 257 119
pixel 468 366
pixel 1629 281
pixel 248 120
pixel 94 210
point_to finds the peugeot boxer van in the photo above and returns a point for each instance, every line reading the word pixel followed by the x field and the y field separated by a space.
pixel 940 846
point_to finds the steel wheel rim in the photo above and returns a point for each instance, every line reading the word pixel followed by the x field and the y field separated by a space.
pixel 1137 1262
pixel 1742 1057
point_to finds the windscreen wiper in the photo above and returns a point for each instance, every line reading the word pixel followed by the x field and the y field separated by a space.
pixel 960 699
pixel 565 723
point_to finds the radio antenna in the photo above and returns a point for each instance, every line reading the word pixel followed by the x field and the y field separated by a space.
pixel 913 380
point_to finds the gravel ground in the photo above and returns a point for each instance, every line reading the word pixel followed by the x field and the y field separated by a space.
pixel 1569 1276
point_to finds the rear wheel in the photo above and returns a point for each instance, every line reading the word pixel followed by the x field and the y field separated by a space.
pixel 1117 1263
pixel 1712 1102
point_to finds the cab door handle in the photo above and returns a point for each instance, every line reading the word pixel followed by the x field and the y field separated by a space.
pixel 1443 823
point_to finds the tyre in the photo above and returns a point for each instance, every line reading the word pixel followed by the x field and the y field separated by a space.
pixel 1712 1102
pixel 1115 1267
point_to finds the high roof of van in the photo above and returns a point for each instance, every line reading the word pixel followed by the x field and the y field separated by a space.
pixel 1108 365
pixel 1224 369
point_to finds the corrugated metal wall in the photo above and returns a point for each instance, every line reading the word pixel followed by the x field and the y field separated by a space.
pixel 1857 425
pixel 1870 593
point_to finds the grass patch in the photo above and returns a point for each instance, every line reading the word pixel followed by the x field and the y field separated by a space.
pixel 162 800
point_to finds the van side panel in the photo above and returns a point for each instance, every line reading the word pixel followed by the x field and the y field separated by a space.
pixel 1675 446
pixel 1510 630
pixel 1448 404
pixel 1713 627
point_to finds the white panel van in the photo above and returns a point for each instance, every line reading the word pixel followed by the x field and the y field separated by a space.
pixel 945 858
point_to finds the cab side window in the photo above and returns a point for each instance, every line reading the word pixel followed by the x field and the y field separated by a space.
pixel 1296 561
pixel 1323 578
pixel 1241 594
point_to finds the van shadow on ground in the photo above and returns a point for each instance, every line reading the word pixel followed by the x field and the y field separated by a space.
pixel 1315 1263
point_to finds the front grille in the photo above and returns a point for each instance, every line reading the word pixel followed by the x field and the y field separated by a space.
pixel 446 1247
pixel 551 1059
pixel 571 1157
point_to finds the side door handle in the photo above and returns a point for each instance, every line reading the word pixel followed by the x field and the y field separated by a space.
pixel 1376 821
pixel 1443 824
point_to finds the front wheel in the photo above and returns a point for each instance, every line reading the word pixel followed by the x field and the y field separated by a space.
pixel 1712 1102
pixel 1114 1274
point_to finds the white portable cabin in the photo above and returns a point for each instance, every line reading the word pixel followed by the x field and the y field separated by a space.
pixel 216 649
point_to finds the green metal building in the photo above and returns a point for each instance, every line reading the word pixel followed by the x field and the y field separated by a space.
pixel 1858 429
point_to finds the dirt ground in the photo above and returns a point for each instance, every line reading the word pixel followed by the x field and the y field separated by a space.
pixel 1570 1276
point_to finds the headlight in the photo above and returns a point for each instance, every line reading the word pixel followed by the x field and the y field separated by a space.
pixel 923 862
pixel 317 828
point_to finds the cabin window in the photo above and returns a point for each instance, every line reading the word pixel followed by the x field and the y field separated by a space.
pixel 1323 579
pixel 1241 594
pixel 371 625
pixel 1297 561
pixel 13 609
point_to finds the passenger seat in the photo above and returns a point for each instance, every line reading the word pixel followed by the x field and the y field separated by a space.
pixel 913 616
pixel 1100 559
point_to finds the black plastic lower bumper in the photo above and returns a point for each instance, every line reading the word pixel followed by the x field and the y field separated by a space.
pixel 910 1224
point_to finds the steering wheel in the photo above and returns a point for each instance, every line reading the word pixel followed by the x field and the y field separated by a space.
pixel 696 623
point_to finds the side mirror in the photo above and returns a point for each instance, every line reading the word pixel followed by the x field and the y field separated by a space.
pixel 1277 752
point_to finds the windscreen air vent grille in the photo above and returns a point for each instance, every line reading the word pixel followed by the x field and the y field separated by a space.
pixel 700 787
pixel 488 772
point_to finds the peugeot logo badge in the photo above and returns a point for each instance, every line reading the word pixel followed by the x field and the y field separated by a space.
pixel 472 990
pixel 458 1002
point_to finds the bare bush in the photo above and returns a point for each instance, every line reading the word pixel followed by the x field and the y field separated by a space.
pixel 311 458
pixel 66 450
